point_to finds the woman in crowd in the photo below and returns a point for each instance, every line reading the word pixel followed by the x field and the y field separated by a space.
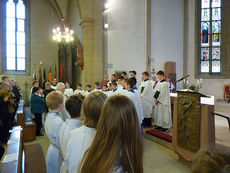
pixel 117 146
pixel 37 108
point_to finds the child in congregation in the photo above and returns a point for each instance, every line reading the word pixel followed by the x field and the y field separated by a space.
pixel 211 160
pixel 81 138
pixel 53 124
pixel 97 86
pixel 117 146
pixel 136 98
pixel 68 91
pixel 73 106
pixel 114 88
pixel 79 90
pixel 37 103
pixel 88 90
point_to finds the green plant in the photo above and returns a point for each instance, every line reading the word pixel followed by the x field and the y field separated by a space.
pixel 192 87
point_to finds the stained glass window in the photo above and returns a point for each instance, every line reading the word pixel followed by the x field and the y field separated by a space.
pixel 15 35
pixel 210 57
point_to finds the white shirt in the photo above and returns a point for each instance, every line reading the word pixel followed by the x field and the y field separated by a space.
pixel 64 133
pixel 68 92
pixel 54 87
pixel 79 141
pixel 162 110
pixel 146 92
pixel 136 98
pixel 81 91
pixel 53 124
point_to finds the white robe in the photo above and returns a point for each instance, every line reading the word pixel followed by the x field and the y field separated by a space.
pixel 87 93
pixel 79 141
pixel 162 110
pixel 68 92
pixel 135 97
pixel 64 134
pixel 53 125
pixel 77 91
pixel 146 97
pixel 96 89
pixel 54 87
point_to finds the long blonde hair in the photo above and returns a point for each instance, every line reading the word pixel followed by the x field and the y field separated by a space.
pixel 91 108
pixel 118 142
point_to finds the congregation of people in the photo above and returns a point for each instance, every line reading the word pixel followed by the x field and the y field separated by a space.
pixel 100 129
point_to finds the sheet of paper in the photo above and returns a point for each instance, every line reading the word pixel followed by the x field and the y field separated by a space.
pixel 10 158
pixel 12 141
pixel 16 129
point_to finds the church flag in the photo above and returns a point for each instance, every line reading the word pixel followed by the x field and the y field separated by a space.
pixel 44 76
pixel 34 75
pixel 40 77
pixel 50 76
pixel 55 72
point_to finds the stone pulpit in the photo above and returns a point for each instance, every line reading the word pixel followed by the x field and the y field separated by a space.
pixel 193 123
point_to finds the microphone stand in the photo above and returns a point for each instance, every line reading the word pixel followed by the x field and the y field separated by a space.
pixel 181 79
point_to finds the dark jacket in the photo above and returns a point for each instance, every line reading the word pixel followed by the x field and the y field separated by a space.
pixel 37 104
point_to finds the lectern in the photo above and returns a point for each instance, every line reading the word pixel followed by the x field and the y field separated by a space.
pixel 193 123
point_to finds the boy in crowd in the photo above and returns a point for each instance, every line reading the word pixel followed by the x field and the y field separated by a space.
pixel 73 106
pixel 88 90
pixel 80 139
pixel 54 84
pixel 79 90
pixel 146 92
pixel 162 109
pixel 97 86
pixel 135 97
pixel 68 90
pixel 53 124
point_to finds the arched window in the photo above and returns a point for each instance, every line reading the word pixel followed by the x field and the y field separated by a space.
pixel 210 36
pixel 15 37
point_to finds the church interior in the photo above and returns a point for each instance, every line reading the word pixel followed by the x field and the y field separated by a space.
pixel 176 50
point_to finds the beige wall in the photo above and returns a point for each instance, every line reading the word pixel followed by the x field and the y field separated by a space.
pixel 42 48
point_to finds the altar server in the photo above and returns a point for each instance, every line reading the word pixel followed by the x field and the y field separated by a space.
pixel 97 86
pixel 73 106
pixel 79 90
pixel 68 90
pixel 53 124
pixel 88 90
pixel 135 97
pixel 81 138
pixel 162 110
pixel 146 92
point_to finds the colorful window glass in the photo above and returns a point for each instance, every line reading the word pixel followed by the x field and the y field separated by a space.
pixel 210 56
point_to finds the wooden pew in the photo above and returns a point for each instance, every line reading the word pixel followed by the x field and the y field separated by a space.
pixel 30 158
pixel 29 127
pixel 16 147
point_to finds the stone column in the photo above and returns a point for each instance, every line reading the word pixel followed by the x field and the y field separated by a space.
pixel 92 31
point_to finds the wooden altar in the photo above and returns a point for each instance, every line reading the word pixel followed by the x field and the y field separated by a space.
pixel 193 123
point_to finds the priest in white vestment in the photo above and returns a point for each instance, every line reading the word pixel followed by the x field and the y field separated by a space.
pixel 61 88
pixel 146 92
pixel 162 109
